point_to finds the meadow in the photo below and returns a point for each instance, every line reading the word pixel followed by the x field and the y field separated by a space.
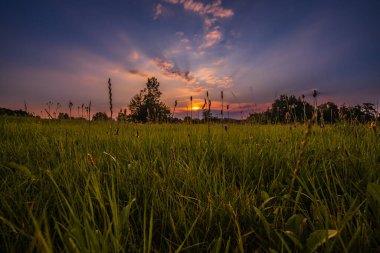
pixel 71 186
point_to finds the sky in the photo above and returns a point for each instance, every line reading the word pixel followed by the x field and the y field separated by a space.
pixel 253 51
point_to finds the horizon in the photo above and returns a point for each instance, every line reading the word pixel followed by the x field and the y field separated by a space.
pixel 253 51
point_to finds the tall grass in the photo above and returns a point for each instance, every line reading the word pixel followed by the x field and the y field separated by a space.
pixel 171 190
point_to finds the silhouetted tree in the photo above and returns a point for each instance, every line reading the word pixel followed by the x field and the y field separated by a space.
pixel 99 116
pixel 122 116
pixel 329 111
pixel 358 113
pixel 62 115
pixel 290 108
pixel 187 119
pixel 17 113
pixel 146 106
pixel 369 111
pixel 137 107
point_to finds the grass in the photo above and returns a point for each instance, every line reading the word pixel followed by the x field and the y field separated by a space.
pixel 67 187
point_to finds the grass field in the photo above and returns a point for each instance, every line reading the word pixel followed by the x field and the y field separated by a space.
pixel 74 187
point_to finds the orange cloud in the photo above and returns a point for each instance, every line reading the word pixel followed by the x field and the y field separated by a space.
pixel 212 38
pixel 168 68
pixel 208 22
pixel 134 56
pixel 208 76
pixel 214 9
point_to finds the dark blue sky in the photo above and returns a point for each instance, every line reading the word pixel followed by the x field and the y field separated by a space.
pixel 253 50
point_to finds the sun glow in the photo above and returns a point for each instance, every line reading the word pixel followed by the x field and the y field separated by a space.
pixel 195 108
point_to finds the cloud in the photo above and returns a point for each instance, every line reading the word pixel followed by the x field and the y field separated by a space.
pixel 213 9
pixel 199 80
pixel 172 1
pixel 137 73
pixel 218 62
pixel 157 11
pixel 208 77
pixel 184 42
pixel 195 48
pixel 208 22
pixel 71 73
pixel 249 107
pixel 210 13
pixel 134 56
pixel 212 38
pixel 168 68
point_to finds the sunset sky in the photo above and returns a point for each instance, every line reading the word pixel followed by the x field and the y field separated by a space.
pixel 252 50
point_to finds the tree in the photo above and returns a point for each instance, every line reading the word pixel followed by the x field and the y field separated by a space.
pixel 122 116
pixel 137 107
pixel 369 111
pixel 17 113
pixel 289 108
pixel 99 116
pixel 355 113
pixel 187 119
pixel 62 115
pixel 207 115
pixel 146 105
pixel 329 111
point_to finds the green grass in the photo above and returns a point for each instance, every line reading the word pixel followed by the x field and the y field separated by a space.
pixel 67 186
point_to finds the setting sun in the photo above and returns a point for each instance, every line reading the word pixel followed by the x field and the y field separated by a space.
pixel 195 107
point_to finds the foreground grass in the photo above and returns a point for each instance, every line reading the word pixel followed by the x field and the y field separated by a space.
pixel 68 186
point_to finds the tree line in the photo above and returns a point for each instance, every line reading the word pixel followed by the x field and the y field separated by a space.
pixel 288 109
pixel 146 106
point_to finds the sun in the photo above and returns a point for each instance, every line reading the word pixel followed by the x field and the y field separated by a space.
pixel 195 107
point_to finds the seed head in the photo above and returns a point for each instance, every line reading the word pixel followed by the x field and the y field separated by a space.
pixel 91 160
pixel 373 126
